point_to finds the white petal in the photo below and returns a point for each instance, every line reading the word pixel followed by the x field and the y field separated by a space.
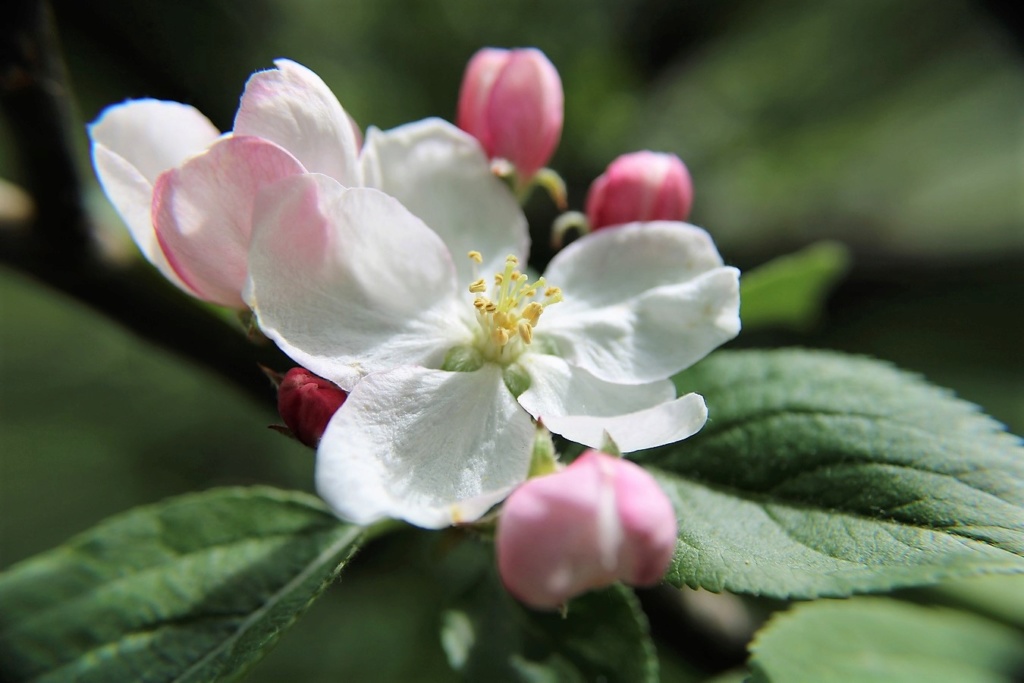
pixel 656 426
pixel 132 144
pixel 442 175
pixel 559 389
pixel 348 282
pixel 641 301
pixel 433 448
pixel 153 135
pixel 203 213
pixel 292 106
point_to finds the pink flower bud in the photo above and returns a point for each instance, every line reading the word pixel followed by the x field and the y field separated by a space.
pixel 642 186
pixel 511 101
pixel 600 520
pixel 307 403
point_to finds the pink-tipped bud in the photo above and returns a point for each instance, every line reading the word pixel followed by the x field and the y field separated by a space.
pixel 511 101
pixel 602 519
pixel 642 186
pixel 306 403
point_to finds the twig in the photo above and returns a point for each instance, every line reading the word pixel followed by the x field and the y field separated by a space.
pixel 57 248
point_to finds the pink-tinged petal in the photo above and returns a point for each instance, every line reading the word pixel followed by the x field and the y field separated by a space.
pixel 655 426
pixel 348 282
pixel 203 212
pixel 525 111
pixel 641 301
pixel 292 106
pixel 600 520
pixel 477 82
pixel 132 144
pixel 440 174
pixel 430 447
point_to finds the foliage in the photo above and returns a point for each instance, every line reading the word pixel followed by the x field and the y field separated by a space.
pixel 197 588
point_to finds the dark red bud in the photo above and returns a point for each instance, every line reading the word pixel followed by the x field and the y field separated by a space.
pixel 306 403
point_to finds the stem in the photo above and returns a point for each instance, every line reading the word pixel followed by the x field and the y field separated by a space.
pixel 56 246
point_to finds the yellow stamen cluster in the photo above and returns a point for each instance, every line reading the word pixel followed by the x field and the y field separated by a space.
pixel 508 316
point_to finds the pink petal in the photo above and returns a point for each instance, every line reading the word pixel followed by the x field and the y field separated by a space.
pixel 292 106
pixel 203 212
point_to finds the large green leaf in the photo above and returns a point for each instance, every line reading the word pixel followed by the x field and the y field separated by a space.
pixel 824 474
pixel 488 636
pixel 884 641
pixel 196 588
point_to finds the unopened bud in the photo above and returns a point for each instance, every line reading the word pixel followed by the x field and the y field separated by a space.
pixel 306 403
pixel 642 186
pixel 600 520
pixel 512 102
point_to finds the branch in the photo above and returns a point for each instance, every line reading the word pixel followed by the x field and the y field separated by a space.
pixel 56 245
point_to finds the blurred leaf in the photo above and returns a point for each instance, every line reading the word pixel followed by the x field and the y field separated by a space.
pixel 733 676
pixel 196 588
pixel 825 474
pixel 884 641
pixel 790 291
pixel 488 636
pixel 893 127
pixel 996 597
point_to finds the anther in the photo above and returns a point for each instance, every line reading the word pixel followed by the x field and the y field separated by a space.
pixel 478 286
pixel 476 256
pixel 532 312
pixel 500 336
pixel 525 331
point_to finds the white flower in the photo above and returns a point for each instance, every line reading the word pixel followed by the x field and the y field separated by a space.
pixel 187 193
pixel 353 286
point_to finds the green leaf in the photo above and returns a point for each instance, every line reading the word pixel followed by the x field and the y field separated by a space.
pixel 1000 598
pixel 884 641
pixel 490 636
pixel 824 474
pixel 196 588
pixel 790 291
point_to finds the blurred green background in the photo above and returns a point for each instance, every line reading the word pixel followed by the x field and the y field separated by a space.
pixel 895 126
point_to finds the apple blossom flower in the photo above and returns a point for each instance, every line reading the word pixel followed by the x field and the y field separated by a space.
pixel 512 102
pixel 600 520
pixel 450 353
pixel 306 403
pixel 641 186
pixel 187 192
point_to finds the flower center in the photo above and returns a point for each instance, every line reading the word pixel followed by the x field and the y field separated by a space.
pixel 508 314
